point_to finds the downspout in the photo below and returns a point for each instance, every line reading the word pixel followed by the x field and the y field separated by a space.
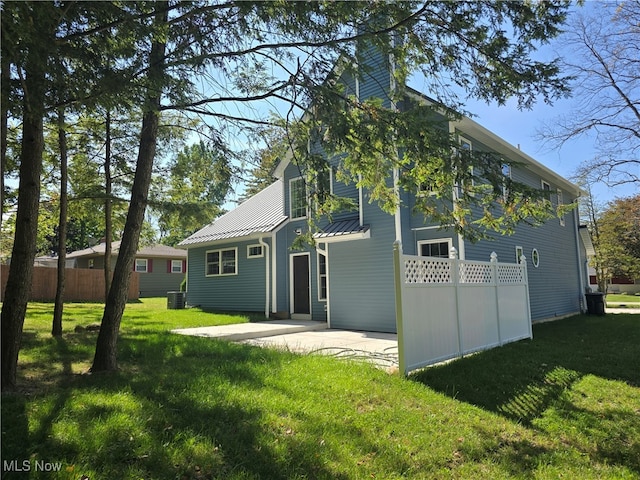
pixel 360 204
pixel 274 279
pixel 393 87
pixel 461 250
pixel 576 222
pixel 267 276
pixel 325 251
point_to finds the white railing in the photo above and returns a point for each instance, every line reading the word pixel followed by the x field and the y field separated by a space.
pixel 446 307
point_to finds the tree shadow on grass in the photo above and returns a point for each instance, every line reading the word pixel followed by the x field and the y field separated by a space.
pixel 180 407
pixel 17 442
pixel 521 381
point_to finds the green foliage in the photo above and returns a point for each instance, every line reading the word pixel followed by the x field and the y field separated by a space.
pixel 199 179
pixel 618 245
pixel 266 159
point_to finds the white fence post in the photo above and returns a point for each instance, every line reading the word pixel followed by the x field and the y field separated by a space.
pixel 455 280
pixel 496 286
pixel 398 273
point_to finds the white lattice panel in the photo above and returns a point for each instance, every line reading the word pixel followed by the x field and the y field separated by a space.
pixel 510 274
pixel 477 273
pixel 427 270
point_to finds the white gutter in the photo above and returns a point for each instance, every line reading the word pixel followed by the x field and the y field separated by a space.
pixel 396 172
pixel 266 268
pixel 360 200
pixel 325 252
pixel 461 250
pixel 576 218
pixel 274 267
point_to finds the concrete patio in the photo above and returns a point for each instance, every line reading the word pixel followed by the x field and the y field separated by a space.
pixel 304 336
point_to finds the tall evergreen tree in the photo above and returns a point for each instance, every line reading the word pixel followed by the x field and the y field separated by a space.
pixel 35 26
pixel 105 358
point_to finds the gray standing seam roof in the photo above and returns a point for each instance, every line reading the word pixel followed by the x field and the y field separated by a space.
pixel 341 228
pixel 156 250
pixel 261 213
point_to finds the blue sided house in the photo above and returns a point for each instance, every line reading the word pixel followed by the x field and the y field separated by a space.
pixel 244 260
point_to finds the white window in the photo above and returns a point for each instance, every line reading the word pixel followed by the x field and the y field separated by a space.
pixel 297 198
pixel 322 277
pixel 435 248
pixel 176 266
pixel 221 262
pixel 535 257
pixel 254 251
pixel 560 203
pixel 465 146
pixel 323 187
pixel 506 173
pixel 519 253
pixel 142 265
pixel 546 190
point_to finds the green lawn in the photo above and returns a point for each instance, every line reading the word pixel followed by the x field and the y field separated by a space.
pixel 618 299
pixel 565 405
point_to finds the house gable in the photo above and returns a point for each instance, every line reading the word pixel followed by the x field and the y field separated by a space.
pixel 350 268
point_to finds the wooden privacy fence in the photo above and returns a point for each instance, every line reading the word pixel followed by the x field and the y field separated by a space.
pixel 446 307
pixel 81 284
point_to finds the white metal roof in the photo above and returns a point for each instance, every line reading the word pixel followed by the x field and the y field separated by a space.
pixel 261 213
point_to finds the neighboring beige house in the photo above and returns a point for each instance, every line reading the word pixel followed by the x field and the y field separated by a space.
pixel 161 268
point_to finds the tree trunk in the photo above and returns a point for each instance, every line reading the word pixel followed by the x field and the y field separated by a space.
pixel 105 358
pixel 56 328
pixel 108 228
pixel 4 118
pixel 18 287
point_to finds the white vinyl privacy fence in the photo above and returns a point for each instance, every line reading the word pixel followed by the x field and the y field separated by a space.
pixel 446 307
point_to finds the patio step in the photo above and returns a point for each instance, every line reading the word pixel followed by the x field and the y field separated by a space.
pixel 245 331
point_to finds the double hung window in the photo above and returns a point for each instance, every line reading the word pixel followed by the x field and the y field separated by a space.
pixel 222 262
pixel 297 198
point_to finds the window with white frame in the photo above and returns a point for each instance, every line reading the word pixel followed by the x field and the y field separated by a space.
pixel 435 248
pixel 176 266
pixel 142 265
pixel 324 184
pixel 546 190
pixel 560 203
pixel 254 251
pixel 297 198
pixel 427 188
pixel 221 262
pixel 465 146
pixel 506 173
pixel 519 253
pixel 535 257
pixel 322 276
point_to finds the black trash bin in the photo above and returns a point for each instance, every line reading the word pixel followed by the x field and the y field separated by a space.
pixel 175 300
pixel 595 303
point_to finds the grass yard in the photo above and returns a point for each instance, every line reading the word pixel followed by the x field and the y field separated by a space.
pixel 623 300
pixel 565 405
